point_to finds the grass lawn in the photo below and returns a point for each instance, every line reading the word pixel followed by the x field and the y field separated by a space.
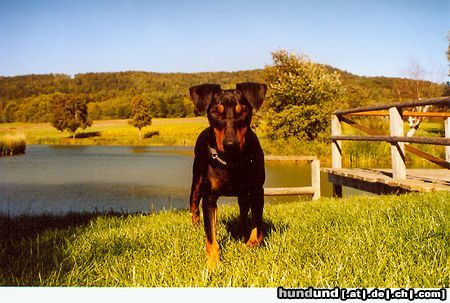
pixel 386 241
pixel 172 131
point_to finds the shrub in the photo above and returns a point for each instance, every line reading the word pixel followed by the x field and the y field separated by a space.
pixel 12 145
pixel 300 98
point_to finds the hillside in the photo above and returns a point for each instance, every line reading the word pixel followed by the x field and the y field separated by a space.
pixel 27 98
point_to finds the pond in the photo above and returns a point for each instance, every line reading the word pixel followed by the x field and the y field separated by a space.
pixel 62 179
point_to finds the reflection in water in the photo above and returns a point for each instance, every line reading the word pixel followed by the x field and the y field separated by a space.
pixel 60 179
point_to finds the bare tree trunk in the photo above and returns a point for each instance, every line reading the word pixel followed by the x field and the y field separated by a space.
pixel 140 135
pixel 414 122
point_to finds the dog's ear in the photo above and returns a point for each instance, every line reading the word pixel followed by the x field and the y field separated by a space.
pixel 202 95
pixel 253 92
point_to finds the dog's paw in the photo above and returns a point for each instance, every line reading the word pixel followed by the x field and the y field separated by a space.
pixel 212 263
pixel 255 238
pixel 212 256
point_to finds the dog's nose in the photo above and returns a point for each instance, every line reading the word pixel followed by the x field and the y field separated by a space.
pixel 230 146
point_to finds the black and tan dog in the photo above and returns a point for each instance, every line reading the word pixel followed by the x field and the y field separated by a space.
pixel 228 160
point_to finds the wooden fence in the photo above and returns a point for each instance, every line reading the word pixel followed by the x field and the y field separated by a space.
pixel 313 190
pixel 396 136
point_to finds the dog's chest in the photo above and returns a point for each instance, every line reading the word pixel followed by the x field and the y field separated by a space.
pixel 227 181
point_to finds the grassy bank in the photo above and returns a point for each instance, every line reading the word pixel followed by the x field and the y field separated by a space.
pixel 12 144
pixel 172 131
pixel 388 241
pixel 184 131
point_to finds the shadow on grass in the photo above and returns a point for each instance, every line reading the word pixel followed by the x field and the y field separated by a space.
pixel 31 225
pixel 86 135
pixel 28 257
pixel 233 228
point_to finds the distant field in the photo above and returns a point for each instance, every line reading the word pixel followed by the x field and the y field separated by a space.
pixel 384 241
pixel 172 131
pixel 184 132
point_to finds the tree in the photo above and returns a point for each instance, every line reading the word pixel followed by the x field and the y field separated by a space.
pixel 9 112
pixel 300 96
pixel 141 114
pixel 69 112
pixel 417 87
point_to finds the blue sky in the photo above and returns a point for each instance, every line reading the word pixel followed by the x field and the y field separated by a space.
pixel 363 37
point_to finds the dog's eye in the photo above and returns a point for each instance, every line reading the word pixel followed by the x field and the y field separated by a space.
pixel 217 110
pixel 240 109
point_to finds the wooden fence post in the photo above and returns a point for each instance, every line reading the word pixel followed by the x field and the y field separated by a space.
pixel 336 146
pixel 447 135
pixel 398 148
pixel 315 178
pixel 336 152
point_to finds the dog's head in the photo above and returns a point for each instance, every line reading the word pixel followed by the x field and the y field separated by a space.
pixel 229 111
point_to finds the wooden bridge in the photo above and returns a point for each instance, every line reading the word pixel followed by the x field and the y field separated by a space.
pixel 397 179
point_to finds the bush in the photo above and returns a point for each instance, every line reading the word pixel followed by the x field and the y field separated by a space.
pixel 300 98
pixel 12 145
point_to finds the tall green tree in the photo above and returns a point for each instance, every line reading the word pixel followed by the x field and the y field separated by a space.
pixel 69 112
pixel 141 114
pixel 9 112
pixel 300 96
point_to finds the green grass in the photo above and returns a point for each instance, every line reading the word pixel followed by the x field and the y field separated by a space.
pixel 387 241
pixel 172 131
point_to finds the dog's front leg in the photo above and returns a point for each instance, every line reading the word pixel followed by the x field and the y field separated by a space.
pixel 244 207
pixel 257 206
pixel 196 193
pixel 194 200
pixel 210 222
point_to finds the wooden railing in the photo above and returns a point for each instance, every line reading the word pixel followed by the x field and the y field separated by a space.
pixel 313 190
pixel 396 136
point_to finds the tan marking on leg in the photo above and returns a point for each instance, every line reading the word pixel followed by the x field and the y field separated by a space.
pixel 256 238
pixel 212 255
pixel 212 249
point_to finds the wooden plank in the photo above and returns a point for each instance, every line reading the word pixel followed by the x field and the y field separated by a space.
pixel 336 146
pixel 288 191
pixel 405 114
pixel 315 178
pixel 289 158
pixel 427 156
pixel 365 129
pixel 434 101
pixel 447 136
pixel 373 187
pixel 428 175
pixel 396 139
pixel 381 180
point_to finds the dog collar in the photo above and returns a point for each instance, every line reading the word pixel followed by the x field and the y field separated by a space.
pixel 215 156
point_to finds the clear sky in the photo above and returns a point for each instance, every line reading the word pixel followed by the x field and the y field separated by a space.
pixel 363 37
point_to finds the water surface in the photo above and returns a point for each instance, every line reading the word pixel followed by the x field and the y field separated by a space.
pixel 61 179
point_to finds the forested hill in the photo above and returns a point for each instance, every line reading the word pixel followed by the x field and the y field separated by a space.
pixel 27 98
